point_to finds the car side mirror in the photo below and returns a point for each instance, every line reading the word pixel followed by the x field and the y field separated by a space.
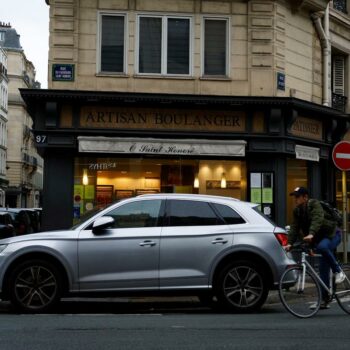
pixel 102 223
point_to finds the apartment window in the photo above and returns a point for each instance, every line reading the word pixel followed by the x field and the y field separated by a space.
pixel 2 35
pixel 215 47
pixel 339 99
pixel 164 45
pixel 112 43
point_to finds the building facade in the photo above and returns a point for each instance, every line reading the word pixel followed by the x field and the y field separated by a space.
pixel 235 98
pixel 24 165
pixel 3 123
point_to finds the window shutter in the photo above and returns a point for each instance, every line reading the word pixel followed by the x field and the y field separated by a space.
pixel 338 75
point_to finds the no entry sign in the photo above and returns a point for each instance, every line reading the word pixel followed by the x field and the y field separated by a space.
pixel 341 155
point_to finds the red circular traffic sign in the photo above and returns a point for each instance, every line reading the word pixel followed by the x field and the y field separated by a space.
pixel 341 155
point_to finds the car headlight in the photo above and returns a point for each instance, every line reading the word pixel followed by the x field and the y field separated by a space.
pixel 2 247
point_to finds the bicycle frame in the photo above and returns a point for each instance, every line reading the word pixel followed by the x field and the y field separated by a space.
pixel 306 265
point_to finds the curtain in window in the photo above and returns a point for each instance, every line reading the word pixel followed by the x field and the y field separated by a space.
pixel 150 46
pixel 112 44
pixel 215 47
pixel 178 46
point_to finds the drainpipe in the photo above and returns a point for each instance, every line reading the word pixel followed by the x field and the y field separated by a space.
pixel 323 33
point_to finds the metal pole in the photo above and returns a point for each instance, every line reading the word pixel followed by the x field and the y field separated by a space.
pixel 345 219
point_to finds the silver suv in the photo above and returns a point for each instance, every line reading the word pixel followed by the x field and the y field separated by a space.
pixel 163 243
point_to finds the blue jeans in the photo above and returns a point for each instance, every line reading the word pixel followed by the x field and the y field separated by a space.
pixel 326 248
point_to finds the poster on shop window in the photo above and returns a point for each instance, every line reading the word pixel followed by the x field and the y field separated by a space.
pixel 261 192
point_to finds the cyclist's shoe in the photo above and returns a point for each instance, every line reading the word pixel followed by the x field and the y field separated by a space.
pixel 339 277
pixel 323 306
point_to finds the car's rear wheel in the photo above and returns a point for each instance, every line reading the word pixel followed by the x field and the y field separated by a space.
pixel 35 286
pixel 241 287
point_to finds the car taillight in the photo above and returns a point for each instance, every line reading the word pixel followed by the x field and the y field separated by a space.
pixel 282 238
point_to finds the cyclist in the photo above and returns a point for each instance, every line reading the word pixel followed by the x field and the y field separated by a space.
pixel 310 225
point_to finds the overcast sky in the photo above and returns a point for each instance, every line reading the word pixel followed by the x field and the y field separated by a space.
pixel 30 18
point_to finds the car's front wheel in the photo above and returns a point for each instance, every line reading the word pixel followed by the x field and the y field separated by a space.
pixel 35 286
pixel 241 287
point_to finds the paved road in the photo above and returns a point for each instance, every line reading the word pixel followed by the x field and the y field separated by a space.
pixel 151 324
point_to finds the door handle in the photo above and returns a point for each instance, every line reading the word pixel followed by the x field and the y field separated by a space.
pixel 219 240
pixel 147 244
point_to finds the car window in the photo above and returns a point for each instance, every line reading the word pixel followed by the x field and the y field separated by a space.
pixel 136 214
pixel 191 213
pixel 230 216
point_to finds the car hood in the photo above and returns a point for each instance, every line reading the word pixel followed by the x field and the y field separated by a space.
pixel 49 235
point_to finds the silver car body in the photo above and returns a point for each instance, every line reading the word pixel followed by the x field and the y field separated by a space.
pixel 151 258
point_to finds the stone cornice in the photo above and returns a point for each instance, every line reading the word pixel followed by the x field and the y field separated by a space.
pixel 311 5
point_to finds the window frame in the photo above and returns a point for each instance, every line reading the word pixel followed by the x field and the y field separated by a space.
pixel 100 14
pixel 228 45
pixel 164 44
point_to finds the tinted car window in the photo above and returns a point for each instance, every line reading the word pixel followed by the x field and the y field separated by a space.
pixel 191 213
pixel 136 214
pixel 228 214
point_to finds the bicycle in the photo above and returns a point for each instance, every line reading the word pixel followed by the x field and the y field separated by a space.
pixel 300 287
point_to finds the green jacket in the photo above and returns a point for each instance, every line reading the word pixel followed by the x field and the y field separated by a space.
pixel 310 219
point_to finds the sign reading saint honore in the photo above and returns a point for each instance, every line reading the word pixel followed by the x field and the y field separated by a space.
pixel 157 118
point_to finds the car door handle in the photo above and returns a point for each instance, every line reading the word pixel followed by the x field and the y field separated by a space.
pixel 147 244
pixel 219 240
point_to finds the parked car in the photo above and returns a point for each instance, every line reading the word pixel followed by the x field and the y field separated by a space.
pixel 21 220
pixel 160 244
pixel 6 225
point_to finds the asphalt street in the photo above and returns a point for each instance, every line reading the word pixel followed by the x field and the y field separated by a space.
pixel 169 324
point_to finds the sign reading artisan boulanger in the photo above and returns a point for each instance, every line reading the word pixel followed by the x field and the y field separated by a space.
pixel 169 119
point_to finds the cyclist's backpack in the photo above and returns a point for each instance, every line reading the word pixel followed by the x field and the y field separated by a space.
pixel 332 213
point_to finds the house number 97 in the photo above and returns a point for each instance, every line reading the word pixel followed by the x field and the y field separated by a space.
pixel 40 138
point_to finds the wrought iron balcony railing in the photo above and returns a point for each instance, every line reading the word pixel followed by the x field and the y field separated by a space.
pixel 339 102
pixel 340 5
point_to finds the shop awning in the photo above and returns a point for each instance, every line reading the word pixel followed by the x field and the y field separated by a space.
pixel 178 147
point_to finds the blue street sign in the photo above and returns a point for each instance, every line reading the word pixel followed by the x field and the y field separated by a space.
pixel 63 72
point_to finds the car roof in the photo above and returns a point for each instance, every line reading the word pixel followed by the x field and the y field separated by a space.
pixel 12 210
pixel 206 197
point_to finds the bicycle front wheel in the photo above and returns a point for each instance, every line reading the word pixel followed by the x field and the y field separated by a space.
pixel 301 298
pixel 342 291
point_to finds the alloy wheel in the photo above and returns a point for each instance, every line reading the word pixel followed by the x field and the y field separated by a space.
pixel 243 286
pixel 35 287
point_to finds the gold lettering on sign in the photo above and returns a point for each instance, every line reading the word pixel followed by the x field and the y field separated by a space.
pixel 167 119
pixel 307 128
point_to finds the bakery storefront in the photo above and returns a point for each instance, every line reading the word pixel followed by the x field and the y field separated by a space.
pixel 100 147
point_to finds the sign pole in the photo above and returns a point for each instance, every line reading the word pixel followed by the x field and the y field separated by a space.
pixel 345 219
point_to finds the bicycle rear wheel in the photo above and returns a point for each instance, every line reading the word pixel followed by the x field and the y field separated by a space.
pixel 342 291
pixel 300 301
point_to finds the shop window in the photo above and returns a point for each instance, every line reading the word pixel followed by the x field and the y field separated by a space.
pixel 112 43
pixel 215 47
pixel 99 182
pixel 136 214
pixel 296 177
pixel 191 213
pixel 164 45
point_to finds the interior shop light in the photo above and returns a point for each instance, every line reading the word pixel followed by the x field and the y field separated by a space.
pixel 85 177
pixel 196 181
pixel 223 180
